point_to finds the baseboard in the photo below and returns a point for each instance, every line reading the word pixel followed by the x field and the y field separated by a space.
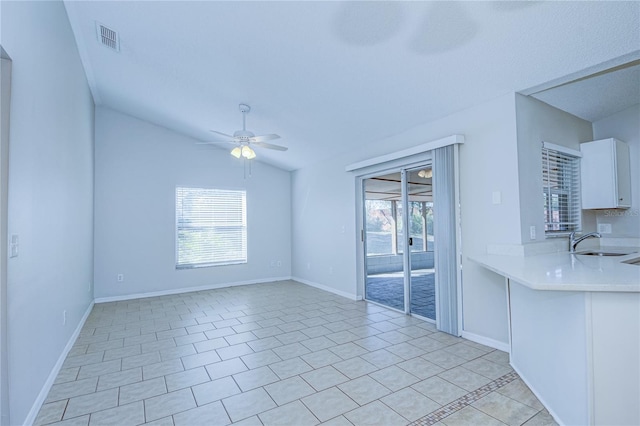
pixel 186 290
pixel 492 343
pixel 540 398
pixel 327 288
pixel 223 285
pixel 35 408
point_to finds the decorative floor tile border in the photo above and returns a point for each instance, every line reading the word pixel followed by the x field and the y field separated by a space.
pixel 464 401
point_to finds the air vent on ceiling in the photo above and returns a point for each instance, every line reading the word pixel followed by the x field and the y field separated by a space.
pixel 108 37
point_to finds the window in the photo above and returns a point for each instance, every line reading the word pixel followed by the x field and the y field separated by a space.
pixel 561 189
pixel 211 227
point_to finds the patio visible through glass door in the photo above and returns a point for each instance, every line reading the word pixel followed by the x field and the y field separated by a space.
pixel 387 239
pixel 383 241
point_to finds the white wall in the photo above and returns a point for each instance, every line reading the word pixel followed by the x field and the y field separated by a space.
pixel 488 164
pixel 537 122
pixel 138 166
pixel 323 204
pixel 625 126
pixel 50 194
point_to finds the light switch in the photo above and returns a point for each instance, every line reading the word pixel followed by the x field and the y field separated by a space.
pixel 15 242
pixel 496 197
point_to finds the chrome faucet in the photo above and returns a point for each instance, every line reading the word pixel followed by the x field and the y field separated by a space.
pixel 573 241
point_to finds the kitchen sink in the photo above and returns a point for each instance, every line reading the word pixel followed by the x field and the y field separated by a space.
pixel 605 252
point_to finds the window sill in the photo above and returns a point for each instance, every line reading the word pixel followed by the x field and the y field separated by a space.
pixel 210 265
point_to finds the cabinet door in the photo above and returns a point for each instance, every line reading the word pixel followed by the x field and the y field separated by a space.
pixel 605 174
pixel 598 175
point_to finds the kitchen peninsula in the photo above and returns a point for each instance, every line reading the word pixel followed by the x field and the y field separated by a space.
pixel 574 327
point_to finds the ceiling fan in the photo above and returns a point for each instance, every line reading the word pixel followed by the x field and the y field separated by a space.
pixel 244 139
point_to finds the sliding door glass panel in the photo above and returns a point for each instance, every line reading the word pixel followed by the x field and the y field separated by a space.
pixel 421 242
pixel 383 241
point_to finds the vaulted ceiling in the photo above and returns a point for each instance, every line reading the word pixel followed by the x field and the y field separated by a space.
pixel 333 76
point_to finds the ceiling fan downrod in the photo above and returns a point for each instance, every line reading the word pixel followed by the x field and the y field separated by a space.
pixel 244 109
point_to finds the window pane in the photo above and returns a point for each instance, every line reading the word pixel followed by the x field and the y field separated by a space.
pixel 380 227
pixel 211 227
pixel 421 217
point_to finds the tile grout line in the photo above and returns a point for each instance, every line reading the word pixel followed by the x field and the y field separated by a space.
pixel 143 319
pixel 464 401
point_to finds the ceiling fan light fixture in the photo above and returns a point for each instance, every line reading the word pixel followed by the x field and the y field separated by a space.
pixel 248 153
pixel 236 152
pixel 244 138
pixel 426 174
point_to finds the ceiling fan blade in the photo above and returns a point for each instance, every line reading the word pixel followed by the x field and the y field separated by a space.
pixel 269 146
pixel 228 137
pixel 263 138
pixel 215 142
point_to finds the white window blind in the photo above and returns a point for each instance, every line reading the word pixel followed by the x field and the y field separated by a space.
pixel 211 227
pixel 561 190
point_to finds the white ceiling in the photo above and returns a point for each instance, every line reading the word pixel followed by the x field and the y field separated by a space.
pixel 598 96
pixel 389 187
pixel 333 76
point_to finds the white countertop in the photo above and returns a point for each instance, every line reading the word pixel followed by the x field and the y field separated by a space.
pixel 566 271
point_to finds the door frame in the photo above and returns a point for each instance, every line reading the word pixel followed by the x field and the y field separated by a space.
pixel 5 88
pixel 406 158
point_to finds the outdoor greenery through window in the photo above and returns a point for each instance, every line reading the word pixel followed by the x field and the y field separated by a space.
pixel 561 190
pixel 211 226
pixel 385 230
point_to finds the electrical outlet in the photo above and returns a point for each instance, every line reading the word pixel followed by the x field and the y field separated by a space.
pixel 604 228
pixel 64 317
pixel 330 270
pixel 279 263
pixel 532 232
pixel 496 197
pixel 273 264
pixel 120 278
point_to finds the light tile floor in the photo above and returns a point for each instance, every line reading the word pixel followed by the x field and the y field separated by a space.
pixel 279 354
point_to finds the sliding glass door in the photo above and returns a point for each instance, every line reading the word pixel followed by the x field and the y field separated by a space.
pixel 399 244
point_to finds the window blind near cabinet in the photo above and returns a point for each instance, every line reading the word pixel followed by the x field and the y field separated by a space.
pixel 561 189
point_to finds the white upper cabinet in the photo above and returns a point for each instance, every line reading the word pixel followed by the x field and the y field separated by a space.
pixel 605 174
